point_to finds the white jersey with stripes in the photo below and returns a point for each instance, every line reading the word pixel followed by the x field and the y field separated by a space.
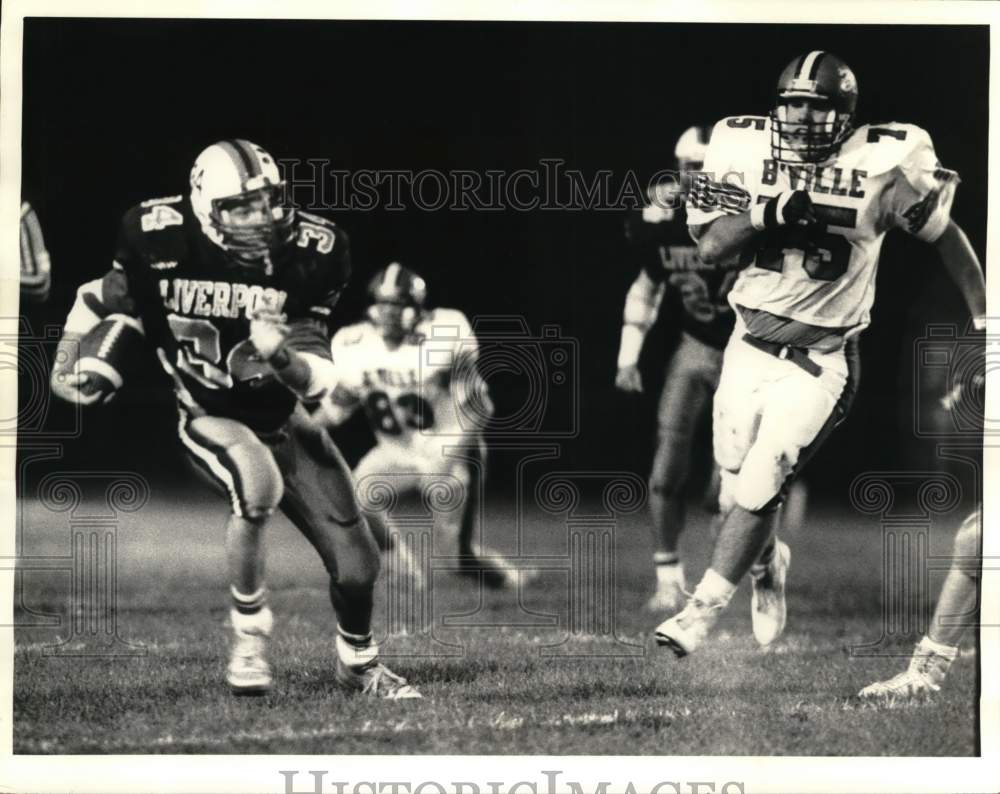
pixel 884 177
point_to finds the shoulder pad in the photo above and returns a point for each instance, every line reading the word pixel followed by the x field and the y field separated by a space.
pixel 742 125
pixel 444 323
pixel 318 220
pixel 878 148
pixel 155 215
pixel 736 141
pixel 320 235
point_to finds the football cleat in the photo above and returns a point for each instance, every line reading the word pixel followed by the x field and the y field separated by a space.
pixel 687 630
pixel 249 672
pixel 670 594
pixel 768 610
pixel 921 679
pixel 375 680
pixel 492 568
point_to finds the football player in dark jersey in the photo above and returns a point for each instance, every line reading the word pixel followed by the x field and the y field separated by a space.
pixel 665 256
pixel 234 291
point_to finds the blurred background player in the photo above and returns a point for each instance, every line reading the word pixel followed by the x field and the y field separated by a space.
pixel 957 609
pixel 804 292
pixel 413 371
pixel 36 269
pixel 661 248
pixel 234 291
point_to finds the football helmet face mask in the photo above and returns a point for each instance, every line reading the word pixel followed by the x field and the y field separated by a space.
pixel 814 111
pixel 397 295
pixel 239 198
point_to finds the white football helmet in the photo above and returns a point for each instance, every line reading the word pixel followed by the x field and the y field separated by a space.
pixel 691 148
pixel 669 193
pixel 238 196
pixel 398 296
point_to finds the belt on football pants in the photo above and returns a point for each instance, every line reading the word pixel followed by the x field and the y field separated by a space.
pixel 797 355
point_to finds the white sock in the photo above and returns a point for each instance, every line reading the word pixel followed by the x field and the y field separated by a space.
pixel 714 588
pixel 928 645
pixel 250 612
pixel 669 568
pixel 355 650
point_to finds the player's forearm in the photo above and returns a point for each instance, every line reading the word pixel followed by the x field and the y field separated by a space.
pixel 721 240
pixel 641 306
pixel 963 267
pixel 294 370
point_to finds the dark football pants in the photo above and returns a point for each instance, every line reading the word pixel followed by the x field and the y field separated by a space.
pixel 301 466
pixel 690 382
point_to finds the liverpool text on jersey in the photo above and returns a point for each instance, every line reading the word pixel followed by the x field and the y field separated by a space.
pixel 218 298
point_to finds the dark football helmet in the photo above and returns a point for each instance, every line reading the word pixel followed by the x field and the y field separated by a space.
pixel 397 295
pixel 814 111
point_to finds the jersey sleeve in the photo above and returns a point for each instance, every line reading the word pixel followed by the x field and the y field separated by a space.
pixel 920 200
pixel 310 333
pixel 718 190
pixel 450 336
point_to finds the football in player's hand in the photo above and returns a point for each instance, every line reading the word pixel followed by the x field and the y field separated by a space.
pixel 106 351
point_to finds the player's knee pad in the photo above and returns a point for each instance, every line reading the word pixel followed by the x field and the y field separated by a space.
pixel 261 479
pixel 670 465
pixel 239 461
pixel 727 490
pixel 765 469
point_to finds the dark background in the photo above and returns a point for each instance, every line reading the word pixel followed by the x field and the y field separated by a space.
pixel 116 110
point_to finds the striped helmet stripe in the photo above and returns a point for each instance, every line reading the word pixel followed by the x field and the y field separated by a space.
pixel 809 67
pixel 391 277
pixel 243 158
pixel 797 72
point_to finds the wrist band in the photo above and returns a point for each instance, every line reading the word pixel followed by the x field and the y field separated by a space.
pixel 757 216
pixel 771 219
pixel 280 359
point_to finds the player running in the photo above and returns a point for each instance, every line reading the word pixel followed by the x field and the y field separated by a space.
pixel 800 201
pixel 659 242
pixel 413 371
pixel 234 290
pixel 956 610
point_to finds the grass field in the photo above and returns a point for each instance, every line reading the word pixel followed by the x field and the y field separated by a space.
pixel 546 671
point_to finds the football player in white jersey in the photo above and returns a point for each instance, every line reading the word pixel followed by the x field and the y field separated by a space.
pixel 799 202
pixel 413 371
